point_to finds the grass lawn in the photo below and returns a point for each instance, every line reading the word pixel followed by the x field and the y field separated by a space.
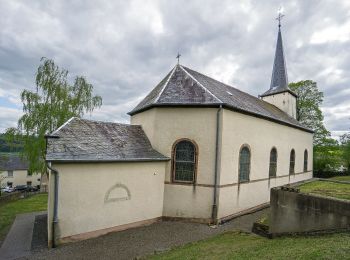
pixel 341 178
pixel 9 211
pixel 331 189
pixel 235 245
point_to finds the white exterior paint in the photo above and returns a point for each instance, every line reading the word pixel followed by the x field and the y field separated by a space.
pixel 85 206
pixel 19 177
pixel 164 126
pixel 284 101
pixel 261 136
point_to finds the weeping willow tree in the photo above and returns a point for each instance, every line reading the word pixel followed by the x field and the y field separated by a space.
pixel 52 103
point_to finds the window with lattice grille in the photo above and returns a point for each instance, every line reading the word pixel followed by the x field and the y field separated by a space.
pixel 273 163
pixel 305 160
pixel 244 164
pixel 184 162
pixel 292 162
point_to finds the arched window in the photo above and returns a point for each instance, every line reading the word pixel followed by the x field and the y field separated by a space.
pixel 273 163
pixel 292 162
pixel 305 160
pixel 184 161
pixel 244 164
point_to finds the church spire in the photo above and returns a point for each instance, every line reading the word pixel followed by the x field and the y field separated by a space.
pixel 279 93
pixel 279 79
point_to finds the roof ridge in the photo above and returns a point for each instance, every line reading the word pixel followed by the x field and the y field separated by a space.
pixel 166 84
pixel 236 89
pixel 64 125
pixel 105 122
pixel 200 84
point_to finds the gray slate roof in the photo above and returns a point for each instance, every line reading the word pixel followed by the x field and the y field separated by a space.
pixel 80 140
pixel 279 79
pixel 12 162
pixel 186 87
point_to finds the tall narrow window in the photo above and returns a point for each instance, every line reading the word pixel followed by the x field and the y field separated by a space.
pixel 244 164
pixel 292 162
pixel 184 162
pixel 305 160
pixel 273 163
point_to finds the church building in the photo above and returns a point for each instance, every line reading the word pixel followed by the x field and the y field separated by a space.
pixel 196 149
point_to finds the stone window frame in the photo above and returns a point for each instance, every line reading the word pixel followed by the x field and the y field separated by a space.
pixel 306 160
pixel 173 161
pixel 275 172
pixel 239 163
pixel 292 162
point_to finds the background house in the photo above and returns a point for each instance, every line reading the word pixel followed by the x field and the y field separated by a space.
pixel 14 172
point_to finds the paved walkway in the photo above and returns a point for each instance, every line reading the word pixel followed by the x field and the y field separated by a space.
pixel 18 241
pixel 142 241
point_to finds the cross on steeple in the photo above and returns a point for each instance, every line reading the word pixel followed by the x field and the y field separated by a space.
pixel 279 17
pixel 178 58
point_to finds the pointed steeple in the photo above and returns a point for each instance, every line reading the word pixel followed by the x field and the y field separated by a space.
pixel 279 94
pixel 279 73
pixel 279 79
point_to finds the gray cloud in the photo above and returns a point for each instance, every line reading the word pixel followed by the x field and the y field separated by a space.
pixel 126 47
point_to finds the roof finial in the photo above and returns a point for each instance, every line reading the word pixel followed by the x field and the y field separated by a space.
pixel 280 16
pixel 178 58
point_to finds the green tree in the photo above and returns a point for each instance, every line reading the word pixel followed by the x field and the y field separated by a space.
pixel 345 141
pixel 308 109
pixel 52 103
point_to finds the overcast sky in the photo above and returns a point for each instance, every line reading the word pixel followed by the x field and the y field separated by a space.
pixel 124 48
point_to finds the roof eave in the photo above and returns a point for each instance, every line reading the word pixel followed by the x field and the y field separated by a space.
pixel 134 112
pixel 225 106
pixel 279 92
pixel 108 160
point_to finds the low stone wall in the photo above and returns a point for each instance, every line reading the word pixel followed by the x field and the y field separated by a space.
pixel 294 212
pixel 6 197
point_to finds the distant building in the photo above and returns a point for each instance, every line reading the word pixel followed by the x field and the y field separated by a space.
pixel 14 172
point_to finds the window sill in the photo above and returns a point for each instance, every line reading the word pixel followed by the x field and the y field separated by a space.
pixel 180 183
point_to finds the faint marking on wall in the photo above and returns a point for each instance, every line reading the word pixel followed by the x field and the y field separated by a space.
pixel 118 192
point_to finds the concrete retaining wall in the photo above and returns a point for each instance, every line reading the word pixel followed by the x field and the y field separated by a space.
pixel 293 212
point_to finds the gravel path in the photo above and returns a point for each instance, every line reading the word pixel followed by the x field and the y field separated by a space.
pixel 142 241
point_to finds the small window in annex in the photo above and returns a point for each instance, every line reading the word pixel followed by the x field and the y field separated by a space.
pixel 10 174
pixel 305 160
pixel 184 162
pixel 29 183
pixel 244 164
pixel 273 162
pixel 292 162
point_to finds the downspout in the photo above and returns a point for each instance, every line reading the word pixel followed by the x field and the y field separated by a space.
pixel 55 199
pixel 55 204
pixel 216 175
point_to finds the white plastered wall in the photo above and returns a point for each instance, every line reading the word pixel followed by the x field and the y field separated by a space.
pixel 284 101
pixel 98 196
pixel 261 135
pixel 164 126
